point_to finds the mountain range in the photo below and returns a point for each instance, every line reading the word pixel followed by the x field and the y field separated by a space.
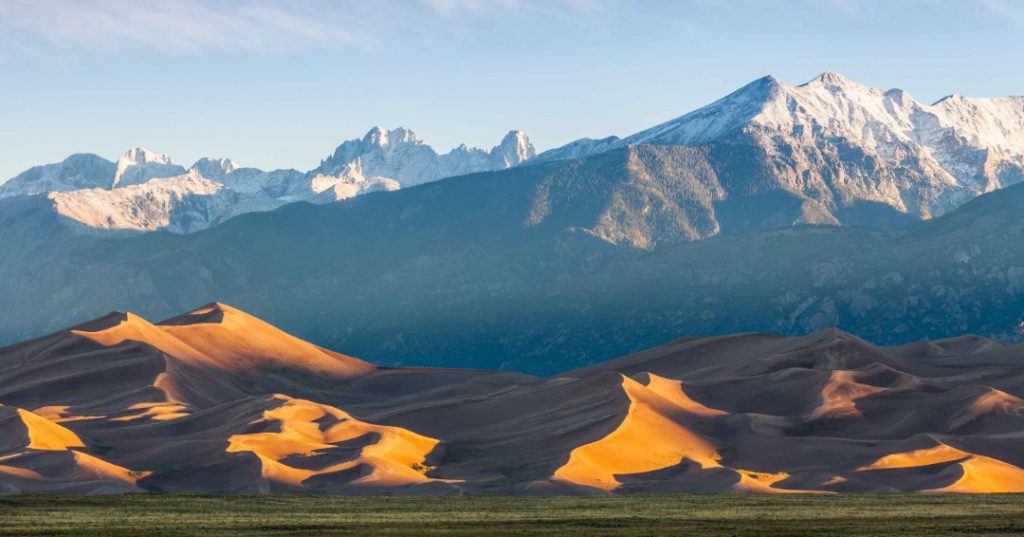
pixel 218 401
pixel 145 191
pixel 831 151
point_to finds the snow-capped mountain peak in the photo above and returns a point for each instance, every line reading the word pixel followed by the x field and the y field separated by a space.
pixel 214 168
pixel 81 170
pixel 514 149
pixel 380 137
pixel 402 158
pixel 141 155
pixel 139 165
pixel 833 80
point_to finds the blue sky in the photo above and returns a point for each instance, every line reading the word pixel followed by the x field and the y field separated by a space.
pixel 280 83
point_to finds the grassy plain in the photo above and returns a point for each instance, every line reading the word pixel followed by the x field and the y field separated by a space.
pixel 643 515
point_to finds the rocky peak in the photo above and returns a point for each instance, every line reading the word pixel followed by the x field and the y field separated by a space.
pixel 214 168
pixel 139 165
pixel 514 149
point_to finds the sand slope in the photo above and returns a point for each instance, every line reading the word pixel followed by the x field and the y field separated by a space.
pixel 219 401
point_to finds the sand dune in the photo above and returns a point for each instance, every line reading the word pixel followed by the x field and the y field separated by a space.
pixel 648 439
pixel 658 434
pixel 973 473
pixel 984 474
pixel 236 341
pixel 37 455
pixel 318 440
pixel 920 457
pixel 218 401
pixel 992 403
pixel 23 429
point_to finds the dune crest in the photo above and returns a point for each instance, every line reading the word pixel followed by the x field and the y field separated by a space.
pixel 237 341
pixel 135 328
pixel 21 429
pixel 220 337
pixel 658 434
pixel 920 457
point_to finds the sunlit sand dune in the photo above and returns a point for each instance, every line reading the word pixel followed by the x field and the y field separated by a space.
pixel 985 474
pixel 317 440
pixel 974 473
pixel 648 439
pixel 236 341
pixel 23 429
pixel 658 433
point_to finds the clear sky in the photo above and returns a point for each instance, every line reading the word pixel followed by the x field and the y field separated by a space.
pixel 280 83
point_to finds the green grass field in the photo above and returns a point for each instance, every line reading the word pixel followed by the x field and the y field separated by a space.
pixel 700 515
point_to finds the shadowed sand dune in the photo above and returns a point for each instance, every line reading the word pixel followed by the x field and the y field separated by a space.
pixel 218 401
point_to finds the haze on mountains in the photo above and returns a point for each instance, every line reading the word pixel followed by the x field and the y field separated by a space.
pixel 218 401
pixel 469 272
pixel 781 208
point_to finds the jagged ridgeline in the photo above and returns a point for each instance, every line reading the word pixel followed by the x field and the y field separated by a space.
pixel 145 191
